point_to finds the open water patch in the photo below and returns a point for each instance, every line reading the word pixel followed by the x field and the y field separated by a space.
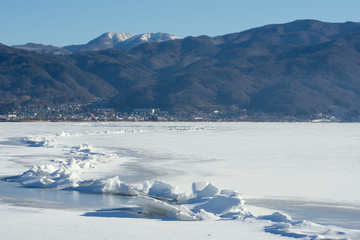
pixel 16 194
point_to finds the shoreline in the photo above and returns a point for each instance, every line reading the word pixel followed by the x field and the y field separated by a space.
pixel 179 121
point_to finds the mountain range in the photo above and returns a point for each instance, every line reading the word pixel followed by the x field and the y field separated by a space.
pixel 297 68
pixel 124 41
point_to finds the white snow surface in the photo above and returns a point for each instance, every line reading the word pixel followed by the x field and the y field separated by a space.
pixel 119 37
pixel 180 171
pixel 153 37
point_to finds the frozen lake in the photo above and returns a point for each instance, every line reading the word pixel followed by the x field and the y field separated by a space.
pixel 307 170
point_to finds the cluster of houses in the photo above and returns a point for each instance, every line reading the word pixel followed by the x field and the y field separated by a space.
pixel 100 112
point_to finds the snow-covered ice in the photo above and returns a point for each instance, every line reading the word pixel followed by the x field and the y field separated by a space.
pixel 199 173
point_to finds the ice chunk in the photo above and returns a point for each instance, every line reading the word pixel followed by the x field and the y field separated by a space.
pixel 63 134
pixel 220 204
pixel 145 187
pixel 84 148
pixel 185 197
pixel 154 207
pixel 204 189
pixel 73 165
pixel 114 185
pixel 203 215
pixel 62 178
pixel 110 185
pixel 163 190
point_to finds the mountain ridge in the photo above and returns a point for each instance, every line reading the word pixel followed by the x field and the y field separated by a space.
pixel 298 68
pixel 29 78
pixel 124 41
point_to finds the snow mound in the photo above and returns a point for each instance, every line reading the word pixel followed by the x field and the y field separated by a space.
pixel 219 204
pixel 39 141
pixel 309 230
pixel 186 128
pixel 284 225
pixel 49 176
pixel 107 132
pixel 88 157
pixel 277 217
pixel 50 140
pixel 66 134
pixel 35 174
pixel 65 173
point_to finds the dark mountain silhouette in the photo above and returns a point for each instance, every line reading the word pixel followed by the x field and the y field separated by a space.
pixel 40 48
pixel 31 78
pixel 301 67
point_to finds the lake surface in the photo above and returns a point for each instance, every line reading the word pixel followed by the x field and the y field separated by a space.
pixel 259 160
pixel 14 193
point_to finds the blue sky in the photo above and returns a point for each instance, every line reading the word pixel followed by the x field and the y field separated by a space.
pixel 63 22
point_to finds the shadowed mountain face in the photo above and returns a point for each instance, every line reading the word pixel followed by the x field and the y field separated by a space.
pixel 302 67
pixel 40 48
pixel 296 68
pixel 31 78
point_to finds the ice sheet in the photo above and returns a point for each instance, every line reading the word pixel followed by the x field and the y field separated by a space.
pixel 163 162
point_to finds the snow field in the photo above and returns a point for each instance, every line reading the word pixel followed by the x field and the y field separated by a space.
pixel 77 163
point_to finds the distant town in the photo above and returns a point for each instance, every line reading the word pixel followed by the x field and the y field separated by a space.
pixel 99 111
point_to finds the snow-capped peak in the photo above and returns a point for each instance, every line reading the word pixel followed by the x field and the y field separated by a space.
pixel 124 41
pixel 145 37
pixel 154 37
pixel 116 37
pixel 119 37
